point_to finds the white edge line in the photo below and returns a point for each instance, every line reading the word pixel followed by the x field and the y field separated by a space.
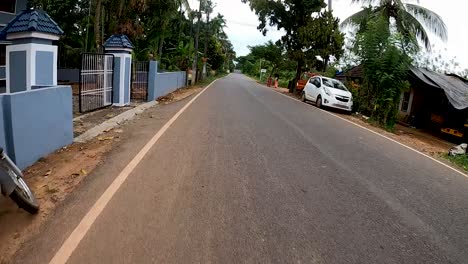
pixel 372 131
pixel 72 242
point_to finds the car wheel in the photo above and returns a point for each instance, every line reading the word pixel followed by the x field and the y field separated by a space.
pixel 319 102
pixel 303 97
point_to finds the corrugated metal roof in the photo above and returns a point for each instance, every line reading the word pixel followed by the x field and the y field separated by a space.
pixel 33 20
pixel 118 41
pixel 454 86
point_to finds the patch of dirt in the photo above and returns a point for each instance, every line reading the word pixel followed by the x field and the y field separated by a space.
pixel 92 119
pixel 413 138
pixel 51 179
pixel 179 94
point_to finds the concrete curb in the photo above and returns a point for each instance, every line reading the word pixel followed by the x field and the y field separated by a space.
pixel 113 122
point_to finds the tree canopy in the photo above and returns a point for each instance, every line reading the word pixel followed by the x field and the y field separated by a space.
pixel 299 18
pixel 411 20
pixel 159 29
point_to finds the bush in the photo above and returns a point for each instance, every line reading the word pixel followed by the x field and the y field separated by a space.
pixel 385 67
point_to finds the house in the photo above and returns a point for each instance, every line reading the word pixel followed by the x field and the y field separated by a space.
pixel 435 101
pixel 354 74
pixel 8 10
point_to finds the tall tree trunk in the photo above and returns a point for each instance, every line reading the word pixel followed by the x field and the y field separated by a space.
pixel 160 48
pixel 197 35
pixel 292 88
pixel 180 24
pixel 97 24
pixel 205 52
pixel 326 60
pixel 121 6
pixel 191 27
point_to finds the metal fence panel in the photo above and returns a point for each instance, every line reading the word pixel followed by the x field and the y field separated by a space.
pixel 139 90
pixel 96 79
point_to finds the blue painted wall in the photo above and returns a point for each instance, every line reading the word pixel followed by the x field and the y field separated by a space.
pixel 116 81
pixel 17 70
pixel 44 68
pixel 37 123
pixel 2 126
pixel 128 67
pixel 160 84
pixel 152 71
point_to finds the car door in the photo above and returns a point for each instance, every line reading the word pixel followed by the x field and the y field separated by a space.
pixel 309 87
pixel 317 83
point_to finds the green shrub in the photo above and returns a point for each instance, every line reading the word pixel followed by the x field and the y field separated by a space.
pixel 385 67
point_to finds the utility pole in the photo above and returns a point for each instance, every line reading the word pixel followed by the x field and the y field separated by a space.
pixel 330 5
pixel 197 35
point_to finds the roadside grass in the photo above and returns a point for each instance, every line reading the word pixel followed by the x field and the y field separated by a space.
pixel 210 79
pixel 459 160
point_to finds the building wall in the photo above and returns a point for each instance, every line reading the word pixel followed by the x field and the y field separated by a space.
pixel 2 126
pixel 403 115
pixel 4 19
pixel 128 67
pixel 116 81
pixel 160 84
pixel 7 17
pixel 36 123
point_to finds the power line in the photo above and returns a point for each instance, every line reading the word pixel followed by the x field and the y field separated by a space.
pixel 250 25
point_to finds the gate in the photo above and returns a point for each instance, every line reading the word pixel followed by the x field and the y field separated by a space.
pixel 139 90
pixel 96 78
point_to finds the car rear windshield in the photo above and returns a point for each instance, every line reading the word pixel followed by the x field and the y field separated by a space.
pixel 334 84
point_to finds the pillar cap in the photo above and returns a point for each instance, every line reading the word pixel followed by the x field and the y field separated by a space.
pixel 118 42
pixel 32 23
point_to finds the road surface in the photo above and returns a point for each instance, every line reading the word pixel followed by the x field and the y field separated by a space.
pixel 247 175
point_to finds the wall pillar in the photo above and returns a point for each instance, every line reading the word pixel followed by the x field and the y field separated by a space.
pixel 37 114
pixel 30 64
pixel 122 78
pixel 121 47
pixel 152 74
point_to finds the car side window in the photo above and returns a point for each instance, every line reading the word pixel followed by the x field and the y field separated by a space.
pixel 311 80
pixel 317 82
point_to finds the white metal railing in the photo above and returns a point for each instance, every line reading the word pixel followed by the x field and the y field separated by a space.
pixel 96 76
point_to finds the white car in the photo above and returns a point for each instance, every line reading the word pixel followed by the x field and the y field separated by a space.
pixel 327 92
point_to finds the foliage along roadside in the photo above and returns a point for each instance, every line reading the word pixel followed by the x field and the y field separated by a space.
pixel 308 31
pixel 159 29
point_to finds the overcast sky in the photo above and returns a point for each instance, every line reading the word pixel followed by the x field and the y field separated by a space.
pixel 242 24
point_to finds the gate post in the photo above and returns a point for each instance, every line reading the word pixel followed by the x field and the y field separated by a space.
pixel 31 59
pixel 121 47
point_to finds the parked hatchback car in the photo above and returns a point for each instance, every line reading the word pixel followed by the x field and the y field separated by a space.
pixel 327 92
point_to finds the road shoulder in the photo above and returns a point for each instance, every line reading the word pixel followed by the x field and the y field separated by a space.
pixel 68 181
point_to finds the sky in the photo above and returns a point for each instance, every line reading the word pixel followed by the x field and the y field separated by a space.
pixel 242 25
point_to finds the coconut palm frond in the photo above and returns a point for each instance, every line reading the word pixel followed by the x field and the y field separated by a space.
pixel 430 19
pixel 185 4
pixel 408 24
pixel 356 18
pixel 365 2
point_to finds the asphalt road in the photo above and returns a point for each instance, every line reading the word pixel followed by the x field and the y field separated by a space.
pixel 246 175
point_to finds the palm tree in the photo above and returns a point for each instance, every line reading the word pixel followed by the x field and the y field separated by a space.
pixel 208 10
pixel 217 26
pixel 409 18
